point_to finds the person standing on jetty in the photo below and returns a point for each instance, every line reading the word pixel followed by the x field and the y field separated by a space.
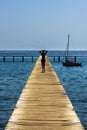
pixel 43 60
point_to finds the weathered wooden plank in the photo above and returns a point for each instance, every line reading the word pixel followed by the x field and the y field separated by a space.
pixel 44 104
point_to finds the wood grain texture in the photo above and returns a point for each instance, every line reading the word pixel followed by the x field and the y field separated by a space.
pixel 43 104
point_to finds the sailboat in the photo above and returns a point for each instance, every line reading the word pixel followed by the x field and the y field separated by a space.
pixel 70 62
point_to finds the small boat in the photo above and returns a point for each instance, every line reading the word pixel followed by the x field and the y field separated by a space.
pixel 70 62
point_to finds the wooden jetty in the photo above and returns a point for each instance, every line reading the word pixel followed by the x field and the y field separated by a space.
pixel 5 58
pixel 23 58
pixel 44 104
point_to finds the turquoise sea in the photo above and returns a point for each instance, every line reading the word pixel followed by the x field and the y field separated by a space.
pixel 13 76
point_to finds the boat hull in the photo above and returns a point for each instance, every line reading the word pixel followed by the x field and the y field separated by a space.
pixel 72 64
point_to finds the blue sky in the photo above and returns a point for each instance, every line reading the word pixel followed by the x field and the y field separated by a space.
pixel 43 24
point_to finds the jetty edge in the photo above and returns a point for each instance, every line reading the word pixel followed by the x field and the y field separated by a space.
pixel 44 104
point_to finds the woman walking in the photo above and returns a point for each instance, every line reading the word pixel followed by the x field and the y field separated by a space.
pixel 43 60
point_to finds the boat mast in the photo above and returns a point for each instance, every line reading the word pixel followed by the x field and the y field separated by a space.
pixel 68 46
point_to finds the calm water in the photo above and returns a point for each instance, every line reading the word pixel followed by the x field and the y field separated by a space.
pixel 74 80
pixel 13 76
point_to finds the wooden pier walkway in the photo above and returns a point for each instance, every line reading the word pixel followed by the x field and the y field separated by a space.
pixel 43 104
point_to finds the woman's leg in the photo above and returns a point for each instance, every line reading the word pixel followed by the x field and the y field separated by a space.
pixel 43 65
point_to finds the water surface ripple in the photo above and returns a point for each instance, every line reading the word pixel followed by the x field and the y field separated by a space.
pixel 74 80
pixel 13 77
